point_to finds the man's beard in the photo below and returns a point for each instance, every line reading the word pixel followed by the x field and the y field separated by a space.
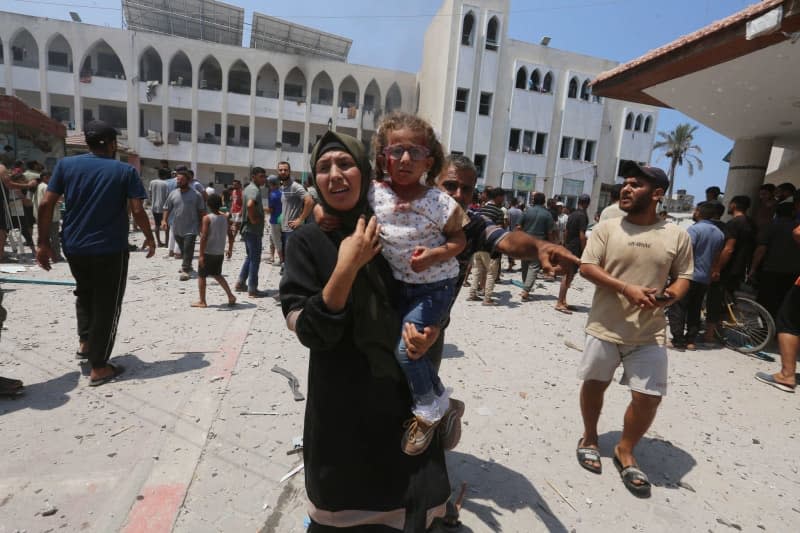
pixel 637 206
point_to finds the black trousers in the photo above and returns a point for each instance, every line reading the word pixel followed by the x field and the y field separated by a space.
pixel 773 288
pixel 99 288
pixel 186 244
pixel 684 315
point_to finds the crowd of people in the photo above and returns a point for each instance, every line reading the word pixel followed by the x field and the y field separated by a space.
pixel 373 254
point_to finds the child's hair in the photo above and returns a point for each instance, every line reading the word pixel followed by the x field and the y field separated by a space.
pixel 398 121
pixel 214 202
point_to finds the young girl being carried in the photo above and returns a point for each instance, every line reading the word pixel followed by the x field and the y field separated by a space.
pixel 421 236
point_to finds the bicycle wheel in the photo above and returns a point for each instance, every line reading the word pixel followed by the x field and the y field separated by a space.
pixel 750 328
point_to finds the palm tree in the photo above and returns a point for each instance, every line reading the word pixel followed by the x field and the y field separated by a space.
pixel 678 147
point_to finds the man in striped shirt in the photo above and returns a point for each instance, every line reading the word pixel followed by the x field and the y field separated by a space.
pixel 487 266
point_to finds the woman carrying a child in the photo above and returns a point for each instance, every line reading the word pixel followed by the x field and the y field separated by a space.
pixel 339 295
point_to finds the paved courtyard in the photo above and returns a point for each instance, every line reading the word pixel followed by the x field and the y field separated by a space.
pixel 195 437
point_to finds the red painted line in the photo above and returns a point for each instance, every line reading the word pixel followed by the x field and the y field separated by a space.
pixel 157 511
pixel 229 353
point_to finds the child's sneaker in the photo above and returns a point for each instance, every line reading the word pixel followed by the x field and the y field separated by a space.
pixel 418 435
pixel 450 425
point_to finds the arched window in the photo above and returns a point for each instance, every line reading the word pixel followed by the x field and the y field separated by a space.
pixel 585 91
pixel 493 34
pixel 322 89
pixel 393 99
pixel 573 88
pixel 101 60
pixel 547 83
pixel 59 54
pixel 522 78
pixel 534 82
pixel 24 50
pixel 180 70
pixel 267 82
pixel 348 92
pixel 372 97
pixel 294 86
pixel 468 29
pixel 239 78
pixel 629 121
pixel 637 126
pixel 210 75
pixel 648 122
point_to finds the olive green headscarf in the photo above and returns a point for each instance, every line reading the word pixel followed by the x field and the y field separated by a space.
pixel 339 141
pixel 377 325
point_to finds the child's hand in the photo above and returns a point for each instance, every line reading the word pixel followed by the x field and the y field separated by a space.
pixel 228 254
pixel 201 262
pixel 422 259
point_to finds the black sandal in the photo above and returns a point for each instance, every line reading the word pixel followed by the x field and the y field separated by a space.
pixel 629 475
pixel 589 454
pixel 10 387
pixel 116 371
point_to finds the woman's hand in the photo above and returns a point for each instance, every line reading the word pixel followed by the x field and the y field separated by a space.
pixel 355 251
pixel 361 246
pixel 418 344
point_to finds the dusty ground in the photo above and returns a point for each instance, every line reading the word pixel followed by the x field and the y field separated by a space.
pixel 168 447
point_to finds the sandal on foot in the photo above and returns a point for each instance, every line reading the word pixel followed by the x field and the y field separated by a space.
pixel 10 387
pixel 563 310
pixel 769 379
pixel 588 454
pixel 631 474
pixel 81 355
pixel 116 371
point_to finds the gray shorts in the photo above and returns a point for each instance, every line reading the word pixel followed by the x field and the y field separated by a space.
pixel 645 367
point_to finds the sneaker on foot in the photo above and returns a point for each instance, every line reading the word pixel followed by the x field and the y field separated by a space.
pixel 240 287
pixel 450 425
pixel 418 435
pixel 184 276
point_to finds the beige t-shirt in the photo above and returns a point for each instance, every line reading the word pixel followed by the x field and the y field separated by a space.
pixel 612 211
pixel 637 255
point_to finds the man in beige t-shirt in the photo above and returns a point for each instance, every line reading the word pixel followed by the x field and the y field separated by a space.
pixel 630 260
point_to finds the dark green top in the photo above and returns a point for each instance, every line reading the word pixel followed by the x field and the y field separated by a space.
pixel 252 192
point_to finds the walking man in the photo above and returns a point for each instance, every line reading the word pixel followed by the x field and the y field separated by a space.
pixel 158 196
pixel 629 260
pixel 536 222
pixel 253 233
pixel 186 207
pixel 487 265
pixel 707 242
pixel 575 241
pixel 295 201
pixel 788 325
pixel 98 190
pixel 733 264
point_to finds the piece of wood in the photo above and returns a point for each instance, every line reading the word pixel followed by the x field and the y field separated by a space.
pixel 562 496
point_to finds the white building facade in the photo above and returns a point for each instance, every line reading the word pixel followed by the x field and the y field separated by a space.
pixel 524 112
pixel 219 108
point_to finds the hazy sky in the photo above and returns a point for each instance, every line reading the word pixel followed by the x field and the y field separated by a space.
pixel 389 34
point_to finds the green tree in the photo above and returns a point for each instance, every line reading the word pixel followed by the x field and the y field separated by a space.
pixel 679 148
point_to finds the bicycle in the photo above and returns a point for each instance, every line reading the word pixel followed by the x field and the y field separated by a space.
pixel 745 326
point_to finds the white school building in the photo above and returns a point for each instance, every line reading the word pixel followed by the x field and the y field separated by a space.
pixel 185 89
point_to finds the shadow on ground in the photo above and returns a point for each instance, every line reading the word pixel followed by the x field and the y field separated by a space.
pixel 44 395
pixel 135 368
pixel 663 462
pixel 492 488
pixel 451 351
